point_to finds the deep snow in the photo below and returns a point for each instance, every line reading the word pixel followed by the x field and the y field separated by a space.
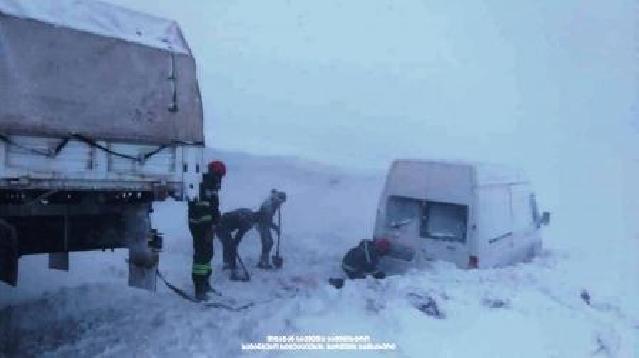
pixel 550 87
pixel 530 310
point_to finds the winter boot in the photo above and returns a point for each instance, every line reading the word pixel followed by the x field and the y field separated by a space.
pixel 264 264
pixel 201 291
pixel 236 276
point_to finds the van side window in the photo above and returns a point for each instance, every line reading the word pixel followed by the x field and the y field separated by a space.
pixel 444 221
pixel 535 210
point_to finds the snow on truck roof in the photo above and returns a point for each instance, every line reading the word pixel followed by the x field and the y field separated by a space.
pixel 485 173
pixel 101 19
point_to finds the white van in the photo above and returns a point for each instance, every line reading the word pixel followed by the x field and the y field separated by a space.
pixel 474 215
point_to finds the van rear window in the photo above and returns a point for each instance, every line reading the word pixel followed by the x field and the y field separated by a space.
pixel 400 209
pixel 444 221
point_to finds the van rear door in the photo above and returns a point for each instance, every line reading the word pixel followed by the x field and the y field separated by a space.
pixel 438 230
pixel 443 232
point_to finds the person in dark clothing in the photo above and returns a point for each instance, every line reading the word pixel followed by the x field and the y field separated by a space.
pixel 240 221
pixel 204 214
pixel 265 224
pixel 363 259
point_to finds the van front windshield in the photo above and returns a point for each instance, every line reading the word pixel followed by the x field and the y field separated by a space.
pixel 444 221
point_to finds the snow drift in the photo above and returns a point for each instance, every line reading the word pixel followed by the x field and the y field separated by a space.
pixel 548 307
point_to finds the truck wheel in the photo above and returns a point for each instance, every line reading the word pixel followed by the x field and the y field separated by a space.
pixel 535 250
pixel 143 260
pixel 8 253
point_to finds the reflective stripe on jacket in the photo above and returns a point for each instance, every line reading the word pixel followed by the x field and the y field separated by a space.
pixel 200 212
pixel 202 219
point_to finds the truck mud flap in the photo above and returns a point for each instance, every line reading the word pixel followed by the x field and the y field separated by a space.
pixel 8 254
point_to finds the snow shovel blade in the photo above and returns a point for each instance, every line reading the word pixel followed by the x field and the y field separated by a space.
pixel 278 261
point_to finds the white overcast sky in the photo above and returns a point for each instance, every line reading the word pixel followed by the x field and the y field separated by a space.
pixel 372 80
pixel 549 85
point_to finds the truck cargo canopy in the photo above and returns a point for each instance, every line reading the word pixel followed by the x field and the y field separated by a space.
pixel 101 19
pixel 87 67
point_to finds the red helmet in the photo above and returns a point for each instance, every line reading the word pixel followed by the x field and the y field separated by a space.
pixel 382 245
pixel 217 167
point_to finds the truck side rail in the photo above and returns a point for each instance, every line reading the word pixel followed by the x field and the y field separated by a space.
pixel 79 162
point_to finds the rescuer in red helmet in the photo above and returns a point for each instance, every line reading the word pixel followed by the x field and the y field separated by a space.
pixel 204 214
pixel 363 259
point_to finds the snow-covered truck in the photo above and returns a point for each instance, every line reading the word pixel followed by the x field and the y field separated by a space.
pixel 474 215
pixel 100 115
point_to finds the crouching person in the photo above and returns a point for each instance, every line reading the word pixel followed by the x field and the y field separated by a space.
pixel 239 221
pixel 363 259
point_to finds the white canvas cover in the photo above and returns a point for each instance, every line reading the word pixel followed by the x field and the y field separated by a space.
pixel 78 66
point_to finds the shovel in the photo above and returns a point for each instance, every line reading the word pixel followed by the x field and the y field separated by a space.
pixel 278 261
pixel 247 276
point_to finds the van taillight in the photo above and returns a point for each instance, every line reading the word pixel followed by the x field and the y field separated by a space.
pixel 473 262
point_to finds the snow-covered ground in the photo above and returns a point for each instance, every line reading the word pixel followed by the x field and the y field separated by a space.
pixel 528 310
pixel 547 86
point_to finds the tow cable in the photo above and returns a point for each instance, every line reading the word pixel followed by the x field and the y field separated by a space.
pixel 190 298
pixel 221 305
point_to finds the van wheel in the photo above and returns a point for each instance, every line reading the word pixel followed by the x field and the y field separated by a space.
pixel 535 250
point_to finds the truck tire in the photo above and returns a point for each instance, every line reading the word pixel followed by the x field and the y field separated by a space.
pixel 143 260
pixel 8 253
pixel 535 250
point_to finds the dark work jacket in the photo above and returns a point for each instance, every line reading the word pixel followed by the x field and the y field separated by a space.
pixel 361 259
pixel 238 219
pixel 206 211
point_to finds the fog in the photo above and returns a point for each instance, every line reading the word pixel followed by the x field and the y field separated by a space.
pixel 550 87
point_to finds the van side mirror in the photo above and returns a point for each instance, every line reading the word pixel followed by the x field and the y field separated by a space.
pixel 545 218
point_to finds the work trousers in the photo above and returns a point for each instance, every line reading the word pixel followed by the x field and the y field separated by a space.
pixel 229 247
pixel 202 251
pixel 267 241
